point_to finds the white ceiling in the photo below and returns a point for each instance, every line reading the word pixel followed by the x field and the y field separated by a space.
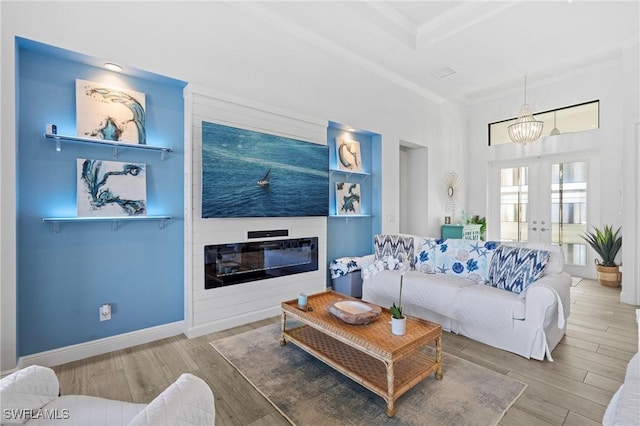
pixel 490 44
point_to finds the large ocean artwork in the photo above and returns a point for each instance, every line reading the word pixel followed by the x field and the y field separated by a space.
pixel 110 113
pixel 111 188
pixel 253 174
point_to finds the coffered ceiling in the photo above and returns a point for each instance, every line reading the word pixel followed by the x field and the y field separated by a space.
pixel 464 50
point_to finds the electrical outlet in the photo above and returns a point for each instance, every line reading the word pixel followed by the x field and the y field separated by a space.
pixel 105 312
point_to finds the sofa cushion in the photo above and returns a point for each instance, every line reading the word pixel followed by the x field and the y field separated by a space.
pixel 397 246
pixel 27 389
pixel 490 307
pixel 435 292
pixel 515 268
pixel 468 259
pixel 82 410
pixel 188 401
pixel 624 407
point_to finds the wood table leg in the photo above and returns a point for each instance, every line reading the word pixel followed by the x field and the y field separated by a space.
pixel 439 358
pixel 391 409
pixel 283 326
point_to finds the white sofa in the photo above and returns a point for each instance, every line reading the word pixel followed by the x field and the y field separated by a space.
pixel 449 284
pixel 31 396
pixel 624 408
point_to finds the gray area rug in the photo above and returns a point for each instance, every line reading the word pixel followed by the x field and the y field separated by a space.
pixel 308 392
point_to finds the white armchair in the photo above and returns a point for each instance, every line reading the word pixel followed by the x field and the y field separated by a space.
pixel 31 396
pixel 624 407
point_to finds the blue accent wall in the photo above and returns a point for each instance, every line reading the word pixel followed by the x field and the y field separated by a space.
pixel 63 278
pixel 353 236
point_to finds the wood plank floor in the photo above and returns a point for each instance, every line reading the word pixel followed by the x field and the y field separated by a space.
pixel 590 362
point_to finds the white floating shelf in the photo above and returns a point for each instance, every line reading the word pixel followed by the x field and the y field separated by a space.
pixel 56 221
pixel 115 145
pixel 350 216
pixel 349 172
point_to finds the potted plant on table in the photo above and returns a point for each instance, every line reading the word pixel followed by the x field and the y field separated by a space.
pixel 606 244
pixel 398 320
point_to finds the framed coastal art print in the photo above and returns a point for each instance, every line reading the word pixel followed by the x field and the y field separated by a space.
pixel 347 198
pixel 111 188
pixel 348 153
pixel 110 113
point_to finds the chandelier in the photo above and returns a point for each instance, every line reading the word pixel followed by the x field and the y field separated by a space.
pixel 526 128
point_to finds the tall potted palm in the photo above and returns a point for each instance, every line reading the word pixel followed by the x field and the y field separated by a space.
pixel 606 244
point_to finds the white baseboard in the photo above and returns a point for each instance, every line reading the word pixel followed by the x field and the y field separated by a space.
pixel 101 346
pixel 227 323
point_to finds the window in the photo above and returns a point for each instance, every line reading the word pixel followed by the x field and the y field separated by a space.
pixel 569 210
pixel 576 118
pixel 514 199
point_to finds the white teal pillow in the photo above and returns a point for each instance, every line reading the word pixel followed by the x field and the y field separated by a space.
pixel 468 259
pixel 515 268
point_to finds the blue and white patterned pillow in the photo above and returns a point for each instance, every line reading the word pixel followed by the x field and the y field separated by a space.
pixel 344 265
pixel 425 255
pixel 515 268
pixel 397 246
pixel 468 259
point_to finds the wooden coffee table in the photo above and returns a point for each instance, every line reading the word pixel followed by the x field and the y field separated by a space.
pixel 384 363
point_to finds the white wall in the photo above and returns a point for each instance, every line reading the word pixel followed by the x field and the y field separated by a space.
pixel 615 83
pixel 210 310
pixel 631 176
pixel 219 46
pixel 8 358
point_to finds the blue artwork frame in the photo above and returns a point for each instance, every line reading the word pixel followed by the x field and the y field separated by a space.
pixel 252 174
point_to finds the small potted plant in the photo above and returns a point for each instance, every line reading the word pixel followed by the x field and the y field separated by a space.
pixel 398 320
pixel 606 244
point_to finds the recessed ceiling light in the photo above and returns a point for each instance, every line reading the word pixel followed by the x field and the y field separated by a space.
pixel 113 67
pixel 350 129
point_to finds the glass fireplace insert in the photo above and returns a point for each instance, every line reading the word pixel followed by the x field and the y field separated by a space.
pixel 235 263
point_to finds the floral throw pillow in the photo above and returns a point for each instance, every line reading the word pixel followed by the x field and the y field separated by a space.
pixel 399 247
pixel 515 268
pixel 468 259
pixel 425 255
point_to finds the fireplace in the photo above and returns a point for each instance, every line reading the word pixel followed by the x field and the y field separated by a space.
pixel 235 263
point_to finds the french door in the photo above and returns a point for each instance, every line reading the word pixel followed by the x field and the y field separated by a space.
pixel 546 200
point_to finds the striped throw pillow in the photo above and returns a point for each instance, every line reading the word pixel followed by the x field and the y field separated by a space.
pixel 515 268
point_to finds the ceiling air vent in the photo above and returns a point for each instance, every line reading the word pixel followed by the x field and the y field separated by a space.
pixel 443 72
